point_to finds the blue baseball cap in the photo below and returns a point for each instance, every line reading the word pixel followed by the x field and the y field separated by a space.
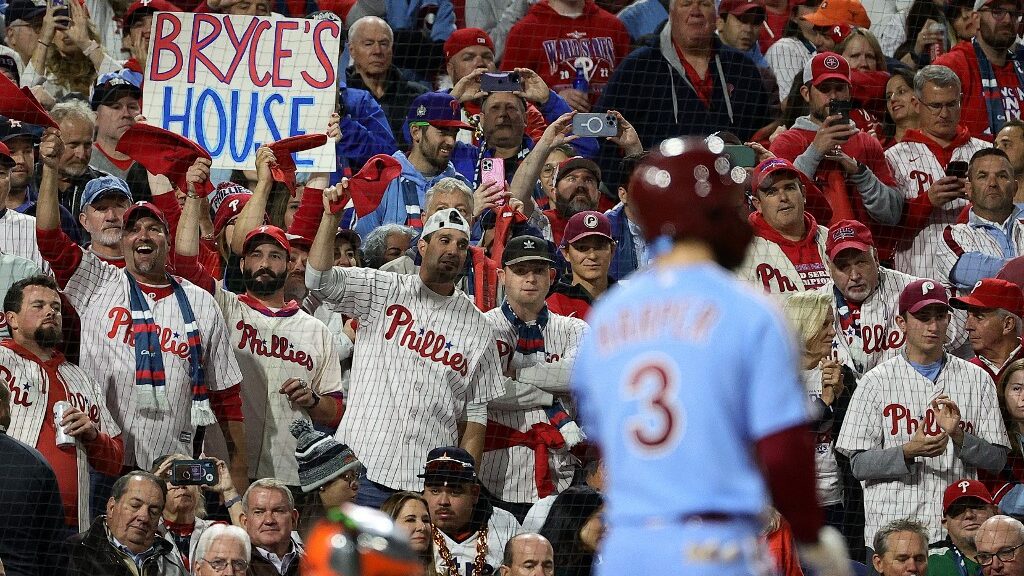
pixel 439 109
pixel 101 186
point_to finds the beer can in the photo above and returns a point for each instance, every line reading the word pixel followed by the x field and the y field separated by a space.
pixel 64 440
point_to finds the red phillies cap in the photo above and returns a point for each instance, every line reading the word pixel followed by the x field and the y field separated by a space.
pixel 738 7
pixel 992 293
pixel 964 489
pixel 587 223
pixel 230 207
pixel 826 66
pixel 921 293
pixel 273 233
pixel 141 210
pixel 848 234
pixel 140 8
pixel 464 38
pixel 769 167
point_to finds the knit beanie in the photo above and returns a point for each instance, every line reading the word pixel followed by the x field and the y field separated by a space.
pixel 320 458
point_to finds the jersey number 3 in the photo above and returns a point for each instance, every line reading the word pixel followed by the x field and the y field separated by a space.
pixel 652 383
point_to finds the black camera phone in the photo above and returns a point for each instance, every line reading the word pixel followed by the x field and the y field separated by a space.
pixel 194 472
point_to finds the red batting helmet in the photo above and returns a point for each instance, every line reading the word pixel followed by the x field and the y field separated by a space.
pixel 358 541
pixel 686 188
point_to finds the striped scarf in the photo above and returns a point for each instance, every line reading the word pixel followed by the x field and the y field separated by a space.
pixel 150 379
pixel 529 337
pixel 990 87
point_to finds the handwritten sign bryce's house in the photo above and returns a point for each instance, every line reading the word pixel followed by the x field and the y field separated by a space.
pixel 232 83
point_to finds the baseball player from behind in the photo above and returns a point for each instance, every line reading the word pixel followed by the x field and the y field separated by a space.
pixel 425 364
pixel 921 420
pixel 688 365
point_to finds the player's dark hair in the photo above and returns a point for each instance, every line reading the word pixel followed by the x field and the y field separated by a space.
pixel 881 543
pixel 985 153
pixel 570 511
pixel 16 293
pixel 121 485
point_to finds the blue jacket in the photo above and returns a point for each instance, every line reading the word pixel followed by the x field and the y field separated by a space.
pixel 364 128
pixel 392 206
pixel 405 15
pixel 650 89
pixel 624 260
pixel 465 156
pixel 643 17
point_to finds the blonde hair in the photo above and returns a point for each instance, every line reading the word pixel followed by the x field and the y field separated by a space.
pixel 806 312
pixel 74 71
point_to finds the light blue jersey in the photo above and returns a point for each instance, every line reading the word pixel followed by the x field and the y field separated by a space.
pixel 682 372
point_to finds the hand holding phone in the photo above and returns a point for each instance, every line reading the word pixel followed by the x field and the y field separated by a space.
pixel 501 82
pixel 492 170
pixel 957 169
pixel 842 109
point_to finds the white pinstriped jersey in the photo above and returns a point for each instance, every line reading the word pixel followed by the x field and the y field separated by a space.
pixel 18 237
pixel 420 358
pixel 916 168
pixel 501 527
pixel 509 473
pixel 767 266
pixel 270 350
pixel 890 403
pixel 960 238
pixel 99 291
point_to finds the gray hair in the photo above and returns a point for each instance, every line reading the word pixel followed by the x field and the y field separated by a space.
pixel 940 76
pixel 881 541
pixel 267 484
pixel 353 30
pixel 1004 314
pixel 223 530
pixel 376 243
pixel 121 484
pixel 73 109
pixel 449 184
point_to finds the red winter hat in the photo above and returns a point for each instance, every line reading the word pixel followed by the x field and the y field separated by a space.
pixel 964 489
pixel 163 152
pixel 367 186
pixel 284 170
pixel 463 38
pixel 21 104
pixel 992 293
pixel 229 208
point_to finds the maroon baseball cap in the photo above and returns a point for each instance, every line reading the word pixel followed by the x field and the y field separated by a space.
pixel 740 7
pixel 826 66
pixel 587 223
pixel 142 210
pixel 272 233
pixel 848 234
pixel 992 293
pixel 463 38
pixel 964 489
pixel 921 293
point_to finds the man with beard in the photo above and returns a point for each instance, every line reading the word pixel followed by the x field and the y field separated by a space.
pixel 469 534
pixel 965 506
pixel 152 341
pixel 993 88
pixel 77 126
pixel 39 378
pixel 576 190
pixel 289 359
pixel 425 363
pixel 433 120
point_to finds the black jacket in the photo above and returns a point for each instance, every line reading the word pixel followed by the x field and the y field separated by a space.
pixel 91 554
pixel 31 513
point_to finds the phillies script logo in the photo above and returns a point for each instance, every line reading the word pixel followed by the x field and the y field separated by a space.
pixel 426 343
pixel 505 350
pixel 122 318
pixel 877 338
pixel 767 274
pixel 19 395
pixel 923 179
pixel 900 417
pixel 280 347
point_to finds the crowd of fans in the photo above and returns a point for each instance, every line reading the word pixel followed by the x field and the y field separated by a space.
pixel 400 332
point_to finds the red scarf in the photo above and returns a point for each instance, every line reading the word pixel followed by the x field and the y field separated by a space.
pixel 541 438
pixel 290 309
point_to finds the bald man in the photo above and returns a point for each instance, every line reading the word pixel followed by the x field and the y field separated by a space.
pixel 528 555
pixel 999 541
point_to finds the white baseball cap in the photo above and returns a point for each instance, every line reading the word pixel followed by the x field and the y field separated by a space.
pixel 447 218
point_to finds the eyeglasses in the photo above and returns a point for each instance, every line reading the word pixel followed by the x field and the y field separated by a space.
pixel 220 564
pixel 1000 13
pixel 548 169
pixel 939 107
pixel 1004 555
